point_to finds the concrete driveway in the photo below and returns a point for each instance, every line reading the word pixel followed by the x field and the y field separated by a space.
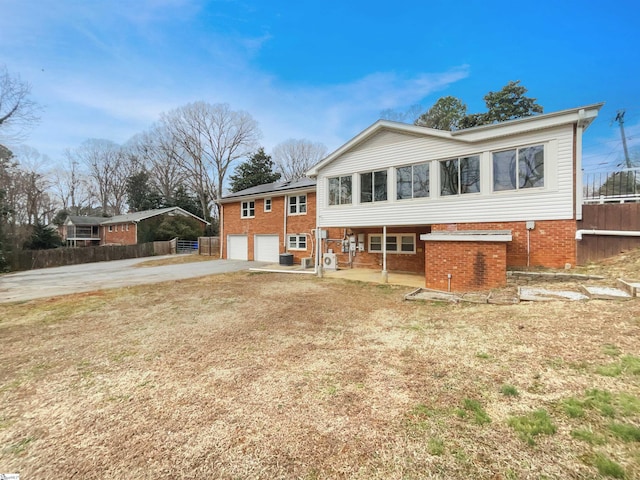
pixel 49 282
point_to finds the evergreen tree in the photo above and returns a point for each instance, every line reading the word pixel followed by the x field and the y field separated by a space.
pixel 258 170
pixel 140 193
pixel 43 238
pixel 446 114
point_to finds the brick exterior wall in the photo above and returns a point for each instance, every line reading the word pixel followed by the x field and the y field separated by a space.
pixel 270 223
pixel 397 262
pixel 472 265
pixel 552 242
pixel 119 235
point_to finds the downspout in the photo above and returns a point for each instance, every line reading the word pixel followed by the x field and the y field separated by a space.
pixel 385 274
pixel 221 228
pixel 284 234
pixel 613 233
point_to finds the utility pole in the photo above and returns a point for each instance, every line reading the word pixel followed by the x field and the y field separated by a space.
pixel 620 119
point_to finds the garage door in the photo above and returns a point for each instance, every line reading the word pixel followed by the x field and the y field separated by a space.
pixel 237 247
pixel 267 248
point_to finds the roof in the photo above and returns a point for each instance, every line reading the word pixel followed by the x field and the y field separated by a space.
pixel 582 116
pixel 304 183
pixel 143 215
pixel 84 220
pixel 129 217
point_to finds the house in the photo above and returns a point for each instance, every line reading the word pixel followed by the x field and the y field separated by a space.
pixel 457 207
pixel 129 229
pixel 262 222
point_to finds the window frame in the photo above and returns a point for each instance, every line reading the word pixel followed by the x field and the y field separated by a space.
pixel 373 186
pixel 412 181
pixel 297 204
pixel 268 199
pixel 397 241
pixel 111 228
pixel 340 196
pixel 517 173
pixel 459 172
pixel 246 211
pixel 295 245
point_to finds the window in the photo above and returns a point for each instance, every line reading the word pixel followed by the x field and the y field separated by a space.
pixel 412 181
pixel 340 190
pixel 127 227
pixel 460 176
pixel 297 242
pixel 267 204
pixel 248 209
pixel 396 243
pixel 373 186
pixel 111 228
pixel 297 204
pixel 518 168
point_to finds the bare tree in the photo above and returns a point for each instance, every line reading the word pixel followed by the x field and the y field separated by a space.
pixel 18 112
pixel 159 152
pixel 294 157
pixel 69 184
pixel 206 140
pixel 107 169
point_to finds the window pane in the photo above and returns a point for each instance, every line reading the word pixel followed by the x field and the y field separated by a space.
pixel 345 190
pixel 392 243
pixel 408 243
pixel 334 191
pixel 421 180
pixel 302 241
pixel 302 204
pixel 531 167
pixel 449 177
pixel 375 243
pixel 380 187
pixel 366 188
pixel 470 174
pixel 403 183
pixel 504 170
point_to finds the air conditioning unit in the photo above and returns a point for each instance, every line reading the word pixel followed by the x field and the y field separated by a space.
pixel 307 262
pixel 329 261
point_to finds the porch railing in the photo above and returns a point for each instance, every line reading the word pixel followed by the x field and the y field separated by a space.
pixel 620 186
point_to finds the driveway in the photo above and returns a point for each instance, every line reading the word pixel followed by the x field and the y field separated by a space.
pixel 49 282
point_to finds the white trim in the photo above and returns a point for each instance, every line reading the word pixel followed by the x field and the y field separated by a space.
pixel 297 236
pixel 398 237
pixel 270 199
pixel 297 205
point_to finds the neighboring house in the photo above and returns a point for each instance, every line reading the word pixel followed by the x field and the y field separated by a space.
pixel 459 207
pixel 128 229
pixel 81 231
pixel 262 222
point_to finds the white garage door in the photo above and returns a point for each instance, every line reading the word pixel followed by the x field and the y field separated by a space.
pixel 237 247
pixel 266 248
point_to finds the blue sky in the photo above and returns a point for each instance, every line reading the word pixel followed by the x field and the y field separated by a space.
pixel 320 70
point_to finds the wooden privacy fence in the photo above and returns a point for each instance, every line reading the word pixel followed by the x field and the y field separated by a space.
pixel 209 246
pixel 30 259
pixel 616 217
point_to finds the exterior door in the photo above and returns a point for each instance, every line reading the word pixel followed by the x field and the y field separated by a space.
pixel 237 247
pixel 267 248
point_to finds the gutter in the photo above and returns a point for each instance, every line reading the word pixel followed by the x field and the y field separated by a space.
pixel 614 233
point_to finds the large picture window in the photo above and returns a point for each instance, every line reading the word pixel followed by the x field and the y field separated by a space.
pixel 412 181
pixel 297 204
pixel 460 176
pixel 373 186
pixel 518 168
pixel 396 243
pixel 248 209
pixel 340 190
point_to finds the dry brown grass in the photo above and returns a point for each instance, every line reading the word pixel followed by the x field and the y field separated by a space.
pixel 274 376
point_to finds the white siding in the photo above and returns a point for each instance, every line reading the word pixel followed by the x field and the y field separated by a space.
pixel 553 202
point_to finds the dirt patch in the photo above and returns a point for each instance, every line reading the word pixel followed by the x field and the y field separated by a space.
pixel 278 376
